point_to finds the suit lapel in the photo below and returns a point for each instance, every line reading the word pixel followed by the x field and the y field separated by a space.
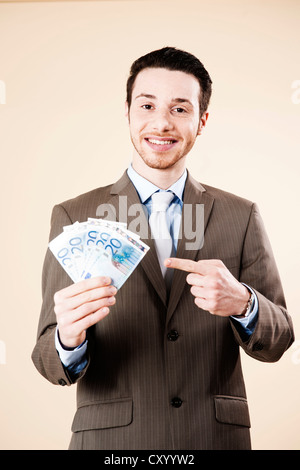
pixel 194 193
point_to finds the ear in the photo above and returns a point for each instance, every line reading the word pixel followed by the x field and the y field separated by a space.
pixel 126 110
pixel 202 123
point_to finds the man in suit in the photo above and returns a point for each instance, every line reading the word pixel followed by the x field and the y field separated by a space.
pixel 157 364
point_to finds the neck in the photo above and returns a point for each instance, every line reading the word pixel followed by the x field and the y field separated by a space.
pixel 163 178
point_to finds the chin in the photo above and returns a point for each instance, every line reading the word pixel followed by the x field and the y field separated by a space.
pixel 160 163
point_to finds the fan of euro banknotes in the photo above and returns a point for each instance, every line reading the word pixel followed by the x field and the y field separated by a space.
pixel 98 247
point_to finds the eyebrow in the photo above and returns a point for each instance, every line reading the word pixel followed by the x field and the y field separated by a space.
pixel 145 95
pixel 174 100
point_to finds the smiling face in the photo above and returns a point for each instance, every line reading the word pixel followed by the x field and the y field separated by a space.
pixel 164 117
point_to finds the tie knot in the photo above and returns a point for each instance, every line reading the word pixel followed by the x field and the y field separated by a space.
pixel 161 200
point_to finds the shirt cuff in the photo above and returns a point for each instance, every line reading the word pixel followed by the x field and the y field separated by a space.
pixel 70 356
pixel 249 322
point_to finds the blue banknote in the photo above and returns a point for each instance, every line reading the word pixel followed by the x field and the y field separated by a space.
pixel 98 247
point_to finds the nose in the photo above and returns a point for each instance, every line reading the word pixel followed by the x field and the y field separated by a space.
pixel 162 121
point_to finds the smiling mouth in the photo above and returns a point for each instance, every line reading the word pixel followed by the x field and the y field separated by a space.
pixel 161 142
pixel 160 145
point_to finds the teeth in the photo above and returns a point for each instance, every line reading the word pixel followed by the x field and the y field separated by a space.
pixel 160 142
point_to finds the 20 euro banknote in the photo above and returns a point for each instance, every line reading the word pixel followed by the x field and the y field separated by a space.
pixel 98 247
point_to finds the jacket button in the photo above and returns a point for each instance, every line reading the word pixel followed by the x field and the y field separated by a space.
pixel 173 335
pixel 257 346
pixel 62 382
pixel 176 402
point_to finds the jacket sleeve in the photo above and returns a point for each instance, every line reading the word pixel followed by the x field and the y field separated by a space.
pixel 45 356
pixel 273 333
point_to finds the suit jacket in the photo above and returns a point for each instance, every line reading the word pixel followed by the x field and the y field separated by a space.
pixel 162 373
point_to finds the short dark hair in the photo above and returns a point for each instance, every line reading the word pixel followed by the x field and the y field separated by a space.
pixel 173 59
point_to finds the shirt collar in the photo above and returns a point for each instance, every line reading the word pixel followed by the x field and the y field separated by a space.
pixel 145 188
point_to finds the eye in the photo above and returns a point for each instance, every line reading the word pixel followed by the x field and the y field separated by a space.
pixel 180 110
pixel 147 106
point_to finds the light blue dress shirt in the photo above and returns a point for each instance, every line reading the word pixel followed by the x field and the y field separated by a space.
pixel 145 189
pixel 75 360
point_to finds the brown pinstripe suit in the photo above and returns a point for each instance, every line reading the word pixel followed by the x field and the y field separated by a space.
pixel 125 393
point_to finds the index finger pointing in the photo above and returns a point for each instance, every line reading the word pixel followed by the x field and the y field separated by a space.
pixel 187 265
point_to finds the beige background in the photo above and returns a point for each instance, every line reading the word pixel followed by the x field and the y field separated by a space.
pixel 63 132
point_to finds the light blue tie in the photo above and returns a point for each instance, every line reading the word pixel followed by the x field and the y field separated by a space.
pixel 160 228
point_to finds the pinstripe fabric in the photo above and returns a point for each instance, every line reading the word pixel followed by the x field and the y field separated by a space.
pixel 124 396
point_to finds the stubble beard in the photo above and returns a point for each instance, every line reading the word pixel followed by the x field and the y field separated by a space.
pixel 158 161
